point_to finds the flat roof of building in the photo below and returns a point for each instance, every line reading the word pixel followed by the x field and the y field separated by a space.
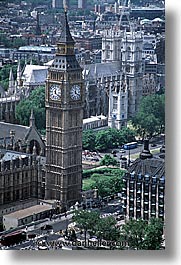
pixel 94 118
pixel 29 211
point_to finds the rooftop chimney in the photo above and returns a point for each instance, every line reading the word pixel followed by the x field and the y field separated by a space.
pixel 146 152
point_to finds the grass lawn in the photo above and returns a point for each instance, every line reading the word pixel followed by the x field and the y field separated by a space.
pixel 86 183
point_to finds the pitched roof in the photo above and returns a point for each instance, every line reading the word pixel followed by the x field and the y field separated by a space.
pixel 102 69
pixel 20 130
pixel 35 74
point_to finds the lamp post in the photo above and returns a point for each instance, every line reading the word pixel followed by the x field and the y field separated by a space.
pixel 128 156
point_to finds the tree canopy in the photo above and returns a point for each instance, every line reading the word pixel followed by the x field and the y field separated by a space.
pixel 108 160
pixel 91 221
pixel 4 74
pixel 107 139
pixel 35 101
pixel 141 234
pixel 86 219
pixel 107 184
pixel 150 118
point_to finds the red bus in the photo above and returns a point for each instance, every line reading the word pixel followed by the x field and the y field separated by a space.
pixel 13 238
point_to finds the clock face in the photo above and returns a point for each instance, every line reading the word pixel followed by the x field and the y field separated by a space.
pixel 75 92
pixel 55 92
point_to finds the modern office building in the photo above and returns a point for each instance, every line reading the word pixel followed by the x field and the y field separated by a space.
pixel 144 187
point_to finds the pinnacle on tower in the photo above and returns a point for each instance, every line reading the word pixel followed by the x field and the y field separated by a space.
pixel 38 28
pixel 66 36
pixel 11 82
pixel 32 119
pixel 34 149
pixel 19 75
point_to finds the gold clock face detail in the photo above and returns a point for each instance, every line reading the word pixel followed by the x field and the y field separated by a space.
pixel 75 92
pixel 55 92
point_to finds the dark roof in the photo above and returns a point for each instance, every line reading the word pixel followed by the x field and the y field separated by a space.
pixel 20 130
pixel 150 166
pixel 65 36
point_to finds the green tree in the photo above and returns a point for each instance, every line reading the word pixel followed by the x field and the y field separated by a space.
pixel 88 140
pixel 153 235
pixel 134 231
pixel 108 160
pixel 126 135
pixel 91 222
pixel 141 234
pixel 35 101
pixel 102 140
pixel 107 185
pixel 112 138
pixel 86 220
pixel 105 229
pixel 4 74
pixel 150 118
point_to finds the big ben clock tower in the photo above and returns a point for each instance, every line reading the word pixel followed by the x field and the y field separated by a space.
pixel 64 118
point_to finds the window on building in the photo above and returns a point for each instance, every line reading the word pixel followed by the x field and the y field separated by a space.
pixel 129 53
pixel 115 103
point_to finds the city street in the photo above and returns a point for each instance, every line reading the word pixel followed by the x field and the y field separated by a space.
pixel 58 225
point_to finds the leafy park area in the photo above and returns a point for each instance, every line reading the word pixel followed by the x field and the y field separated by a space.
pixel 107 139
pixel 138 234
pixel 107 181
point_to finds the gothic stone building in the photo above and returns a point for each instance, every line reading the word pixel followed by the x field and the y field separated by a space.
pixel 114 87
pixel 21 138
pixel 21 181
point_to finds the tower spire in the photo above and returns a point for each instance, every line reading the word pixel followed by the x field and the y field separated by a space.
pixel 38 28
pixel 19 75
pixel 65 36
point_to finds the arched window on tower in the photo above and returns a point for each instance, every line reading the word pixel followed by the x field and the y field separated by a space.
pixel 107 51
pixel 36 144
pixel 129 54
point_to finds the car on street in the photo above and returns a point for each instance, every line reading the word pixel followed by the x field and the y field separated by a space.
pixel 122 151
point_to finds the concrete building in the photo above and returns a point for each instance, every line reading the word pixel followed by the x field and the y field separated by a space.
pixel 95 122
pixel 82 4
pixel 26 216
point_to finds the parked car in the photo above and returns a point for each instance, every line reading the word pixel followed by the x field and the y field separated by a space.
pixel 114 152
pixel 122 151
